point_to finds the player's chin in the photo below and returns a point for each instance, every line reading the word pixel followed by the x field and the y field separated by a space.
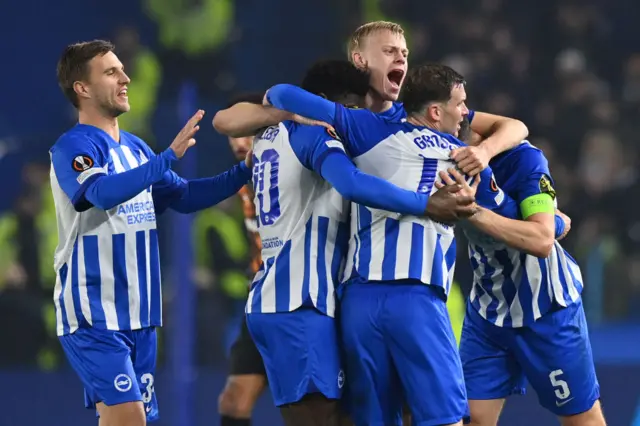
pixel 123 107
pixel 118 110
pixel 392 94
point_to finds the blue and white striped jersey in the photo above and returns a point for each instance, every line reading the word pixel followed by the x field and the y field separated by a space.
pixel 107 262
pixel 386 246
pixel 512 288
pixel 302 221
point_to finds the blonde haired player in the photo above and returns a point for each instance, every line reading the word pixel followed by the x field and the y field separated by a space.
pixel 381 48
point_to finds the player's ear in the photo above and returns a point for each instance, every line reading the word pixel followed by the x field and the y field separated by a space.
pixel 81 89
pixel 433 112
pixel 358 60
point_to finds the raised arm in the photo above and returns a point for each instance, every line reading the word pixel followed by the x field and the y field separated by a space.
pixel 81 171
pixel 189 196
pixel 499 133
pixel 491 135
pixel 246 119
pixel 107 191
pixel 299 101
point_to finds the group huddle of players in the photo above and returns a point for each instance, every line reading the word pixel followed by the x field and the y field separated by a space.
pixel 356 200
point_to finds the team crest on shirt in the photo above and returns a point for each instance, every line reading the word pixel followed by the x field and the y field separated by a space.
pixel 82 163
pixel 546 187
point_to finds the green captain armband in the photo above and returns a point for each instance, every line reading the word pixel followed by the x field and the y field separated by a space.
pixel 539 203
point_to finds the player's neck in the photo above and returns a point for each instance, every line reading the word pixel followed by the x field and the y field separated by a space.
pixel 376 104
pixel 423 121
pixel 108 124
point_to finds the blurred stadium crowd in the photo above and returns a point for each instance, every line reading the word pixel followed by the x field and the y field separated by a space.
pixel 569 69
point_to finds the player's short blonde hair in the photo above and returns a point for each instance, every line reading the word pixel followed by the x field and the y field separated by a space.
pixel 363 31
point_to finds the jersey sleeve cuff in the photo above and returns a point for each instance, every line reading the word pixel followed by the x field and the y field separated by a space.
pixel 470 116
pixel 169 154
pixel 244 168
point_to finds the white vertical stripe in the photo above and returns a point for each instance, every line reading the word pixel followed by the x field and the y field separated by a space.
pixel 534 274
pixel 496 288
pixel 85 304
pixel 485 299
pixel 68 302
pixel 131 259
pixel 428 249
pixel 554 275
pixel 296 270
pixel 353 240
pixel 357 242
pixel 268 292
pixel 518 271
pixel 117 164
pixel 329 249
pixel 107 295
pixel 147 245
pixel 378 241
pixel 403 248
pixel 445 244
pixel 128 155
pixel 143 158
pixel 578 277
pixel 473 294
pixel 549 286
pixel 56 301
pixel 313 259
pixel 247 306
pixel 564 266
pixel 517 314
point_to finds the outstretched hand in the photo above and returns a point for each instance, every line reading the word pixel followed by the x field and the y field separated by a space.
pixel 185 138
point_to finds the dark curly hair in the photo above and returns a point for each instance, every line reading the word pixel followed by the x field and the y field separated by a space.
pixel 336 78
